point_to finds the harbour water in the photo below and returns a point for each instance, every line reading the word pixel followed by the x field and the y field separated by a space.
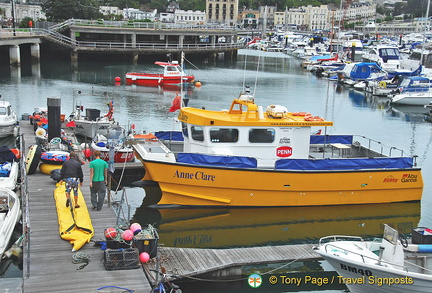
pixel 276 79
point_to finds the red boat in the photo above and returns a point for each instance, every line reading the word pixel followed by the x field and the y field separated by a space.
pixel 173 74
pixel 114 138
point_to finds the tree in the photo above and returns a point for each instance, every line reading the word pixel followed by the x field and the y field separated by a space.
pixel 60 10
pixel 25 22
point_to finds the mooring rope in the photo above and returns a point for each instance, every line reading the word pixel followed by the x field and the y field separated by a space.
pixel 81 257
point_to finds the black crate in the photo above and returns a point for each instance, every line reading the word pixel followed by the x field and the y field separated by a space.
pixel 121 259
pixel 114 244
pixel 146 245
pixel 419 238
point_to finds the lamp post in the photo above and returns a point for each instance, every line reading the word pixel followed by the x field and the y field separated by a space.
pixel 13 17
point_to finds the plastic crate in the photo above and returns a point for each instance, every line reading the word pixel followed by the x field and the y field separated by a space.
pixel 121 259
pixel 419 238
pixel 114 244
pixel 146 245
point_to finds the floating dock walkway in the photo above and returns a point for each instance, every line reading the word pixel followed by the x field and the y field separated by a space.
pixel 48 265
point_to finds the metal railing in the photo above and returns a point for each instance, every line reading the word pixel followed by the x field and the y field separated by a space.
pixel 53 34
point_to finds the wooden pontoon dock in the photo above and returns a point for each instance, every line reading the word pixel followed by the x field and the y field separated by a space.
pixel 48 266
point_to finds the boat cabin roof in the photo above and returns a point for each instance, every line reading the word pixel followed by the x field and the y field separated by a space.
pixel 173 63
pixel 247 113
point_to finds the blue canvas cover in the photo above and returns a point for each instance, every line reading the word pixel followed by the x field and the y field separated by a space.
pixel 363 70
pixel 321 139
pixel 169 135
pixel 344 164
pixel 221 161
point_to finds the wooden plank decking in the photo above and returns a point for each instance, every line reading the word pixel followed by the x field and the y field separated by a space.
pixel 185 262
pixel 49 258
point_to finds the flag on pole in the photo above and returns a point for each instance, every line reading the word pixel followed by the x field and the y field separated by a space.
pixel 175 104
pixel 71 124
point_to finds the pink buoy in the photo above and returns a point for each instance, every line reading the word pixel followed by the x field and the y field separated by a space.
pixel 87 153
pixel 127 235
pixel 135 226
pixel 144 257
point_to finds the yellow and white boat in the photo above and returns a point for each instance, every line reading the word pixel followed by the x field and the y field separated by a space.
pixel 246 156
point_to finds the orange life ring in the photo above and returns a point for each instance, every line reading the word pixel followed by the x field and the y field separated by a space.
pixel 313 118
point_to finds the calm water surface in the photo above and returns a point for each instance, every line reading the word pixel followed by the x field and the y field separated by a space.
pixel 277 79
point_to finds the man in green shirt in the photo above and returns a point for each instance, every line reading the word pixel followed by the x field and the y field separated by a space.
pixel 98 180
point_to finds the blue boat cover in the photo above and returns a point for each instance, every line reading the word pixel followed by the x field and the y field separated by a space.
pixel 169 135
pixel 344 164
pixel 321 139
pixel 221 161
pixel 363 70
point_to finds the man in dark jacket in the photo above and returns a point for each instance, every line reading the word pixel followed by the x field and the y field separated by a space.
pixel 71 173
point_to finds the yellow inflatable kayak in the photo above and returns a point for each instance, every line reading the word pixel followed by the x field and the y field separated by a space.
pixel 75 225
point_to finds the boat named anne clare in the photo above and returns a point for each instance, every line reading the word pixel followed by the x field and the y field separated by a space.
pixel 172 74
pixel 247 157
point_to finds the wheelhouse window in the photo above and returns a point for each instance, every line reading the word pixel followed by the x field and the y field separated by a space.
pixel 3 111
pixel 219 135
pixel 197 133
pixel 261 135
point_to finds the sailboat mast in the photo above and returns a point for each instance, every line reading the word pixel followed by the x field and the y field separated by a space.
pixel 424 33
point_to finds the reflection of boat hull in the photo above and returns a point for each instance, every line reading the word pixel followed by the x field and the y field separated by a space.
pixel 222 228
pixel 194 185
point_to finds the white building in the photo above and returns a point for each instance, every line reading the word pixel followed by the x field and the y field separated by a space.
pixel 321 17
pixel 22 10
pixel 110 10
pixel 190 17
pixel 136 14
pixel 166 17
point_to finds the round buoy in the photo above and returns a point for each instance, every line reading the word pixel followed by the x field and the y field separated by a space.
pixel 198 84
pixel 127 235
pixel 117 79
pixel 87 153
pixel 110 233
pixel 144 257
pixel 134 227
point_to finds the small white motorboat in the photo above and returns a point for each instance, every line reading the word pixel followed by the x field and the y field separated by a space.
pixel 413 90
pixel 8 120
pixel 92 123
pixel 10 212
pixel 390 264
pixel 9 167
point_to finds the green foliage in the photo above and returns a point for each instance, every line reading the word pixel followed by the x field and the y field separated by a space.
pixel 123 3
pixel 25 22
pixel 60 10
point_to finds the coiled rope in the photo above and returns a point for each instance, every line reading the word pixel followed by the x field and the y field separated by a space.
pixel 80 257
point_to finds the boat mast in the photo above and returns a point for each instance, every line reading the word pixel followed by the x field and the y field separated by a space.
pixel 424 32
pixel 181 79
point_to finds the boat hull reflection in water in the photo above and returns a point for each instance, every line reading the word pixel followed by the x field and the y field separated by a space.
pixel 239 227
